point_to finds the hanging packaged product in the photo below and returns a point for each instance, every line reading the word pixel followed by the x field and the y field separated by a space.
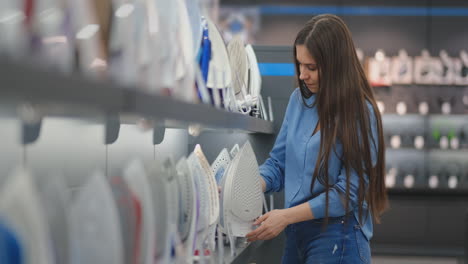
pixel 163 19
pixel 22 208
pixel 185 65
pixel 54 31
pixel 402 68
pixel 123 59
pixel 425 68
pixel 88 37
pixel 202 63
pixel 379 69
pixel 135 176
pixel 461 68
pixel 195 19
pixel 95 225
pixel 14 38
pixel 204 54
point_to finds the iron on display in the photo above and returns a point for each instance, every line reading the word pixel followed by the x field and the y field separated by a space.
pixel 95 225
pixel 207 193
pixel 130 213
pixel 135 176
pixel 220 165
pixel 163 181
pixel 188 207
pixel 53 192
pixel 22 208
pixel 239 67
pixel 214 196
pixel 242 195
pixel 219 73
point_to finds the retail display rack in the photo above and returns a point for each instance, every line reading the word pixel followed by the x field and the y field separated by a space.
pixel 48 93
pixel 426 135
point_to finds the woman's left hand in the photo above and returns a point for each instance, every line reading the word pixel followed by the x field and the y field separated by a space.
pixel 271 224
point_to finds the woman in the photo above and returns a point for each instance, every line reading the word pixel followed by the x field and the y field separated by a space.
pixel 329 154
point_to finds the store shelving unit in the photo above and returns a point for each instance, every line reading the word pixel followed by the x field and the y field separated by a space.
pixel 76 96
pixel 431 159
pixel 52 94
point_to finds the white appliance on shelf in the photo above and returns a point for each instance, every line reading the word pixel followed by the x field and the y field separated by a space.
pixel 163 181
pixel 402 68
pixel 95 225
pixel 219 74
pixel 188 208
pixel 379 69
pixel 53 193
pixel 22 208
pixel 136 178
pixel 242 195
pixel 130 215
pixel 207 191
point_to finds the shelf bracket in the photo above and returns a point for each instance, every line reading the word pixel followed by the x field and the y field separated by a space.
pixel 30 132
pixel 31 123
pixel 112 129
pixel 158 133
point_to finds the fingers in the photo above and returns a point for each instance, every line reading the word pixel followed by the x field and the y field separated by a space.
pixel 261 219
pixel 256 234
pixel 266 235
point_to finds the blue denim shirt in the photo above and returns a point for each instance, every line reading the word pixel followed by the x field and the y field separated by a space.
pixel 292 162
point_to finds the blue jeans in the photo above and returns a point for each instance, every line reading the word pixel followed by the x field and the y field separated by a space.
pixel 341 242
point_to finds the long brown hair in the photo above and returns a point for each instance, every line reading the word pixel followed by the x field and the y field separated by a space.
pixel 341 103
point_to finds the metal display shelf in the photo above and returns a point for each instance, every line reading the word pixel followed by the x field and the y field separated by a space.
pixel 427 192
pixel 74 95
